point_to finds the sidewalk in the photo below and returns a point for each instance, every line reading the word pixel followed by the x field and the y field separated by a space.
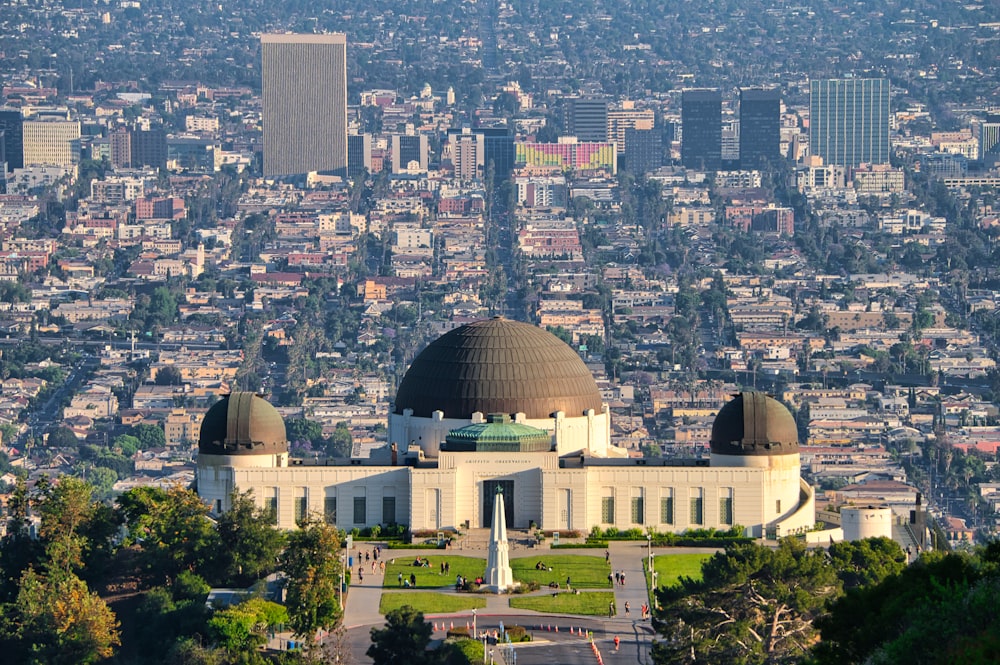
pixel 627 557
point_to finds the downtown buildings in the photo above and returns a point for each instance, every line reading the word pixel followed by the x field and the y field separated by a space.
pixel 305 103
pixel 849 121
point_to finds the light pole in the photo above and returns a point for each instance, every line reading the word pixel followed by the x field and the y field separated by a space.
pixel 343 562
pixel 475 633
pixel 649 544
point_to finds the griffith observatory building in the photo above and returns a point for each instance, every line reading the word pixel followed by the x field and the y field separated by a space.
pixel 501 403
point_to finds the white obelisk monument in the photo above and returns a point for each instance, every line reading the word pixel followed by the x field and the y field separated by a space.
pixel 499 577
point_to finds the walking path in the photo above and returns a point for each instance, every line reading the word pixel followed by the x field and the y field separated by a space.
pixel 625 556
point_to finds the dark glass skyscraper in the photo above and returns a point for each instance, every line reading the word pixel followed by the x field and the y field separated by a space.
pixel 849 121
pixel 13 137
pixel 701 127
pixel 643 150
pixel 760 121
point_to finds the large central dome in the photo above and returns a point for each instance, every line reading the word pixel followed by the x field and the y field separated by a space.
pixel 498 366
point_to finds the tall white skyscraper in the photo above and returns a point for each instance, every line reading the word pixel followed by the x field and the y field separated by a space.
pixel 305 103
pixel 849 121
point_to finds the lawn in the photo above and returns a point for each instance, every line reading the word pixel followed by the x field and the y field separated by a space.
pixel 671 567
pixel 585 572
pixel 432 577
pixel 429 602
pixel 594 603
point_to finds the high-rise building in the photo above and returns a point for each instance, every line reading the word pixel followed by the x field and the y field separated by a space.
pixel 701 127
pixel 11 124
pixel 626 118
pixel 51 140
pixel 473 150
pixel 120 148
pixel 304 103
pixel 760 131
pixel 148 147
pixel 406 149
pixel 359 153
pixel 643 150
pixel 989 137
pixel 586 118
pixel 849 121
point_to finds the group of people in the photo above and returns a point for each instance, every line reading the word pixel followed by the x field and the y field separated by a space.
pixel 407 583
pixel 370 557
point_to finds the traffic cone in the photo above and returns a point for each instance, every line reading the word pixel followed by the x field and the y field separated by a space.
pixel 557 628
pixel 453 625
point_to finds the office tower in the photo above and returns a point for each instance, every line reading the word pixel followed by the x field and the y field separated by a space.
pixel 359 153
pixel 148 147
pixel 760 122
pixel 406 149
pixel 11 124
pixel 51 140
pixel 989 137
pixel 120 148
pixel 498 149
pixel 304 103
pixel 473 150
pixel 701 127
pixel 586 118
pixel 643 150
pixel 468 153
pixel 849 121
pixel 626 118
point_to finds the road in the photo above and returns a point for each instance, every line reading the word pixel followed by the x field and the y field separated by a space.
pixel 547 646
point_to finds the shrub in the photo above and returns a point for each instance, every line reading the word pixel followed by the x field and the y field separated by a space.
pixel 518 633
pixel 459 632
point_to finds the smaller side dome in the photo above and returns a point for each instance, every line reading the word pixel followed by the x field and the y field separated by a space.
pixel 242 423
pixel 754 424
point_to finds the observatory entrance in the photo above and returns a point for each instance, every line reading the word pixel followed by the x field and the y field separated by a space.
pixel 489 496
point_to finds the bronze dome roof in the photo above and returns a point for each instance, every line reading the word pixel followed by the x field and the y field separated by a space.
pixel 498 366
pixel 242 424
pixel 754 424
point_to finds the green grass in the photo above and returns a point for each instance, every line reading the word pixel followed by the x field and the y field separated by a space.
pixel 429 602
pixel 594 603
pixel 671 567
pixel 432 578
pixel 585 572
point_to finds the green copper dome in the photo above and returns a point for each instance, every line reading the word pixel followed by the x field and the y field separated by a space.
pixel 498 435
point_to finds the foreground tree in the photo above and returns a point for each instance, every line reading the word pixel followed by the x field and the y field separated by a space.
pixel 754 605
pixel 250 545
pixel 312 563
pixel 943 609
pixel 403 640
pixel 56 619
pixel 171 526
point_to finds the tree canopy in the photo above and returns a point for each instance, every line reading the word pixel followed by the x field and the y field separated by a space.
pixel 754 605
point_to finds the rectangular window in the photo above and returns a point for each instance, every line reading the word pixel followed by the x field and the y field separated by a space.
pixel 697 510
pixel 300 509
pixel 608 510
pixel 777 506
pixel 638 512
pixel 726 510
pixel 330 510
pixel 667 510
pixel 360 509
pixel 271 509
pixel 726 505
pixel 388 510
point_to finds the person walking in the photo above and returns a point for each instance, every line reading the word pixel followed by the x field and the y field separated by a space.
pixel 611 609
pixel 617 642
pixel 627 608
pixel 400 579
